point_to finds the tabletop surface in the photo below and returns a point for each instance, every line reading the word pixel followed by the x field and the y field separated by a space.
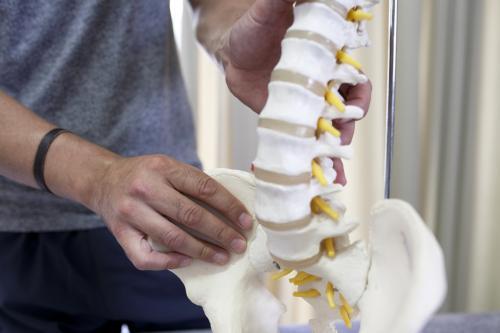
pixel 450 323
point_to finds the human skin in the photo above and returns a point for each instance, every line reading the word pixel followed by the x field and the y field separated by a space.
pixel 151 195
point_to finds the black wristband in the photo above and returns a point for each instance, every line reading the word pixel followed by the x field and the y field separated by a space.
pixel 41 154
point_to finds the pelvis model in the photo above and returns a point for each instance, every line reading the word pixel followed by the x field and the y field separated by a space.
pixel 395 281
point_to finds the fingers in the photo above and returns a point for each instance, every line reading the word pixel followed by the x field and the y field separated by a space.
pixel 193 182
pixel 194 217
pixel 346 135
pixel 144 257
pixel 358 95
pixel 339 168
pixel 346 131
pixel 171 236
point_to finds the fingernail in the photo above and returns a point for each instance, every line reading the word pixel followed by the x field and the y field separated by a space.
pixel 220 258
pixel 245 221
pixel 185 262
pixel 238 245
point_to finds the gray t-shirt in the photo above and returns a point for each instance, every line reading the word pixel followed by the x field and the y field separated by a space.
pixel 106 70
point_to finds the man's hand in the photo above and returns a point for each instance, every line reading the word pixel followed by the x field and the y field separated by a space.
pixel 359 95
pixel 150 195
pixel 137 197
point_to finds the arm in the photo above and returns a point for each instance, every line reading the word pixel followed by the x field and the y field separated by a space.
pixel 135 196
pixel 20 134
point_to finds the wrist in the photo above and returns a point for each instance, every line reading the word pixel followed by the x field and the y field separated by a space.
pixel 75 168
pixel 88 191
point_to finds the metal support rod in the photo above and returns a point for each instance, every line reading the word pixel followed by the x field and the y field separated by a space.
pixel 391 94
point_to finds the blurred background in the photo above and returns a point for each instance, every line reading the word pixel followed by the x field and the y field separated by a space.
pixel 447 145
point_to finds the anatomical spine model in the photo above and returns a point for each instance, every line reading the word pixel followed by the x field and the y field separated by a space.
pixel 295 201
pixel 394 286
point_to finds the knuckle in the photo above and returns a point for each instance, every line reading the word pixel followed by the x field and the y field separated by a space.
pixel 179 174
pixel 117 229
pixel 171 264
pixel 179 207
pixel 205 253
pixel 207 186
pixel 157 162
pixel 173 239
pixel 234 209
pixel 125 208
pixel 191 216
pixel 221 234
pixel 141 263
pixel 139 188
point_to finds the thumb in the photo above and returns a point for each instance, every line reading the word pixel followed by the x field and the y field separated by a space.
pixel 272 12
pixel 255 39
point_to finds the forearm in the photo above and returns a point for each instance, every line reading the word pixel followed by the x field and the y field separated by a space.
pixel 72 164
pixel 213 20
